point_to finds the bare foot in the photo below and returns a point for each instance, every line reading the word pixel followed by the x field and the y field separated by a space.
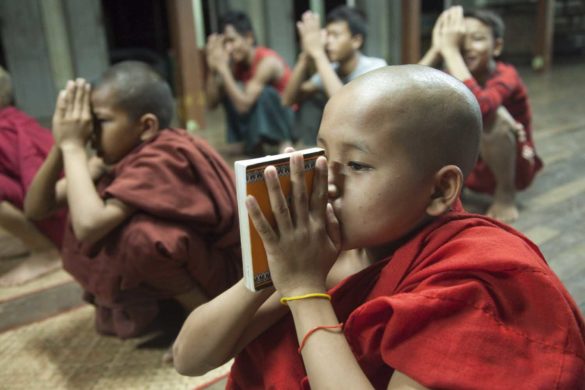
pixel 504 212
pixel 167 358
pixel 32 267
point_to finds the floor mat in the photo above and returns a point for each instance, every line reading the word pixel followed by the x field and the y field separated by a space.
pixel 64 352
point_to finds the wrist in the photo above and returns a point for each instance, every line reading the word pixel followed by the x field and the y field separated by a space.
pixel 69 146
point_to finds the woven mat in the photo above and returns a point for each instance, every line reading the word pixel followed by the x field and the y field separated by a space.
pixel 65 352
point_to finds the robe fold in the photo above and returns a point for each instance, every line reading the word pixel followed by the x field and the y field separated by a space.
pixel 465 303
pixel 184 233
pixel 24 146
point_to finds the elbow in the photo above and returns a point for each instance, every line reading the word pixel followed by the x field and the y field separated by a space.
pixel 84 232
pixel 34 212
pixel 189 365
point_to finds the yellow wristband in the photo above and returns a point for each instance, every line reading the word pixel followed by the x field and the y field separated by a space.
pixel 284 300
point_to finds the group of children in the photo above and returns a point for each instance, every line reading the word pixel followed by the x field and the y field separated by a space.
pixel 381 279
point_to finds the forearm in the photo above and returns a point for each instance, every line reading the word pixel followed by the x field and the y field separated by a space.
pixel 212 90
pixel 291 93
pixel 212 332
pixel 326 354
pixel 43 197
pixel 431 58
pixel 330 79
pixel 455 64
pixel 241 101
pixel 85 205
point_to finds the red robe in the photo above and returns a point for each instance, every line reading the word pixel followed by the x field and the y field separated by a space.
pixel 184 233
pixel 466 303
pixel 24 145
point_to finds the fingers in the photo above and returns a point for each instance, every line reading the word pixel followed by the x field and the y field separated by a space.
pixel 61 106
pixel 85 104
pixel 278 201
pixel 79 98
pixel 69 97
pixel 299 189
pixel 333 227
pixel 319 196
pixel 260 222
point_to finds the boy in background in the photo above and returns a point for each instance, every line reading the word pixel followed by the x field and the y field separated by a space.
pixel 161 227
pixel 336 56
pixel 24 145
pixel 384 281
pixel 248 80
pixel 468 43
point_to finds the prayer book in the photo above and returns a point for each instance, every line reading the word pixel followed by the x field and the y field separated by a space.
pixel 250 181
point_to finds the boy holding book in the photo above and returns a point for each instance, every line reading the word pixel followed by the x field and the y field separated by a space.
pixel 469 43
pixel 161 228
pixel 423 295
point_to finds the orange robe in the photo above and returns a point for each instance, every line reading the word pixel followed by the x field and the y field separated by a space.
pixel 184 233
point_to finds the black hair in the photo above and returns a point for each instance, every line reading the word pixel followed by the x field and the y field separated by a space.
pixel 139 90
pixel 355 19
pixel 489 18
pixel 239 21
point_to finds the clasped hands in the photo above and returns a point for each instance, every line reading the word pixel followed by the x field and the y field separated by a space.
pixel 313 37
pixel 306 240
pixel 449 30
pixel 72 120
pixel 215 53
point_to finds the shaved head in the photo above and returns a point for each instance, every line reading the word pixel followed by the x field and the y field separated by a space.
pixel 138 90
pixel 433 116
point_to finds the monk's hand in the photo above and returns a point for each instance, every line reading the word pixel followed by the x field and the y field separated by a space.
pixel 503 121
pixel 72 122
pixel 306 240
pixel 450 31
pixel 216 54
pixel 312 37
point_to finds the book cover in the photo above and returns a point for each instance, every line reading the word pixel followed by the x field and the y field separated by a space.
pixel 250 181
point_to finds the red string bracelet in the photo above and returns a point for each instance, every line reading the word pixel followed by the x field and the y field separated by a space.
pixel 328 328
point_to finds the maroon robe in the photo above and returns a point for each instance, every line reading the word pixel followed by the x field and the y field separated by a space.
pixel 184 233
pixel 24 146
pixel 466 303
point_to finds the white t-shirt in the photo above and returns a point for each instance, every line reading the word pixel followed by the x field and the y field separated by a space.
pixel 364 65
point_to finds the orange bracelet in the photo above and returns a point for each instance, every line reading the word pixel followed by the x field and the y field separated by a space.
pixel 320 327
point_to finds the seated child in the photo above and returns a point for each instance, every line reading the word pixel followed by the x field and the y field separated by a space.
pixel 248 80
pixel 160 227
pixel 425 295
pixel 337 60
pixel 24 145
pixel 469 44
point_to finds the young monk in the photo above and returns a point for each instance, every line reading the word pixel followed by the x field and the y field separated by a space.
pixel 248 80
pixel 337 60
pixel 24 144
pixel 469 43
pixel 424 294
pixel 162 225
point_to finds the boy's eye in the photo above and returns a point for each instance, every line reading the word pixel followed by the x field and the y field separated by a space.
pixel 355 166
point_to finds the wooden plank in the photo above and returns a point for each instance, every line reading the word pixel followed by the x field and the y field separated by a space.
pixel 543 45
pixel 410 53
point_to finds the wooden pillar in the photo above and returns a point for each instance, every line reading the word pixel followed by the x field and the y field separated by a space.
pixel 543 47
pixel 189 65
pixel 410 53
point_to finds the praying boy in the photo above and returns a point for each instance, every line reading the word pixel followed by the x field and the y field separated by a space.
pixel 381 279
pixel 337 58
pixel 469 43
pixel 161 226
pixel 248 80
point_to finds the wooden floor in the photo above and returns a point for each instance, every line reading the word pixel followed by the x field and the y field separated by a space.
pixel 552 210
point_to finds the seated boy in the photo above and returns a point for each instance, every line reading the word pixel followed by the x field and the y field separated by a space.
pixel 337 59
pixel 161 226
pixel 24 145
pixel 469 44
pixel 424 296
pixel 248 80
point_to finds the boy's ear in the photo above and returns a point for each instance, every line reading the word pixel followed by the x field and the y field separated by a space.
pixel 149 126
pixel 448 182
pixel 357 41
pixel 498 46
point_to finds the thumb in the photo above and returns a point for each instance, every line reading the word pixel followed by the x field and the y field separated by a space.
pixel 333 227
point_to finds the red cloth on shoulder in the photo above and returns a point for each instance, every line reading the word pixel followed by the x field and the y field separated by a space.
pixel 245 74
pixel 24 146
pixel 505 88
pixel 465 303
pixel 184 233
